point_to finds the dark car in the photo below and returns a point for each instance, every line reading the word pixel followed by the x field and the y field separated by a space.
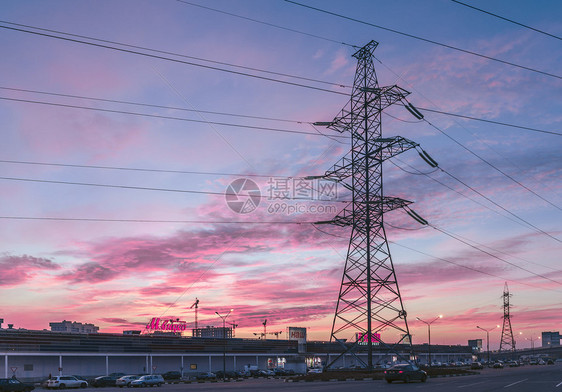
pixel 476 365
pixel 103 381
pixel 206 376
pixel 172 375
pixel 404 372
pixel 14 385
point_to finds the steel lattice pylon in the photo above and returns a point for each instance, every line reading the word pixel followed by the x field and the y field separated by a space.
pixel 369 301
pixel 507 339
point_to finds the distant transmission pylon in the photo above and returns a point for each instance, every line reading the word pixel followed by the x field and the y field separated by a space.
pixel 507 340
pixel 369 308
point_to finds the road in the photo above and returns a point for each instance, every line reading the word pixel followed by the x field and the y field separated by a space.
pixel 523 379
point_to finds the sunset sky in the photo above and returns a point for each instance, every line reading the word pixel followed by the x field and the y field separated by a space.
pixel 120 138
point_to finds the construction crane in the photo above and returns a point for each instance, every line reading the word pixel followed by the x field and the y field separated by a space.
pixel 265 333
pixel 234 325
pixel 196 304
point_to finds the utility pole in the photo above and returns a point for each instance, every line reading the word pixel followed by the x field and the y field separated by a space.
pixel 487 340
pixel 429 335
pixel 369 300
pixel 224 342
pixel 507 339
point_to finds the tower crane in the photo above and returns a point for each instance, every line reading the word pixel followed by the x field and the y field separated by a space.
pixel 196 305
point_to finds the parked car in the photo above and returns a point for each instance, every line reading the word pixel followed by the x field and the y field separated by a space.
pixel 228 374
pixel 125 381
pixel 205 376
pixel 404 372
pixel 498 365
pixel 476 365
pixel 62 382
pixel 14 385
pixel 513 364
pixel 103 381
pixel 148 380
pixel 550 362
pixel 172 375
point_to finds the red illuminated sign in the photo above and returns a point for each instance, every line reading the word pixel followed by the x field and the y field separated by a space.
pixel 166 325
pixel 363 338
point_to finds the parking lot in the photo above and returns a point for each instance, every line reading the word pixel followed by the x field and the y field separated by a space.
pixel 521 379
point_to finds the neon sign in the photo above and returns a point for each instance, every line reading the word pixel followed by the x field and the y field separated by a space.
pixel 363 338
pixel 166 325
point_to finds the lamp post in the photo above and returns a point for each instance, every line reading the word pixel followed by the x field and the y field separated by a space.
pixel 224 342
pixel 429 335
pixel 487 340
pixel 532 339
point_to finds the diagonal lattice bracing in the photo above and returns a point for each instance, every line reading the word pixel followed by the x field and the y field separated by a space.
pixel 507 342
pixel 369 301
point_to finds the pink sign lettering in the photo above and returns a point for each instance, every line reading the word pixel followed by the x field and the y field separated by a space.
pixel 166 325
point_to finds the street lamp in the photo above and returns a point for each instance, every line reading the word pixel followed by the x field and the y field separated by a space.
pixel 224 342
pixel 532 339
pixel 429 335
pixel 487 340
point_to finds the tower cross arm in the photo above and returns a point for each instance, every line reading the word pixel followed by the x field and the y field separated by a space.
pixel 386 149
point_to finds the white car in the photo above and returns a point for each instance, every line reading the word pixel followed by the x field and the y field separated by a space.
pixel 62 382
pixel 125 381
pixel 148 380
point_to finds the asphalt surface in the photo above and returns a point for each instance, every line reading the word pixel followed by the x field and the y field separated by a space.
pixel 538 378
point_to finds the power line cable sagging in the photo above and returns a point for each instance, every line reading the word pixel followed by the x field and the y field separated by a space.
pixel 427 40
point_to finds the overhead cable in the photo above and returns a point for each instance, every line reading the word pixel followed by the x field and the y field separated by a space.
pixel 167 117
pixel 142 188
pixel 267 118
pixel 268 24
pixel 426 40
pixel 152 105
pixel 495 167
pixel 506 19
pixel 159 57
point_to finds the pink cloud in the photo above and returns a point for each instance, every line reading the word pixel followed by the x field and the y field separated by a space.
pixel 17 270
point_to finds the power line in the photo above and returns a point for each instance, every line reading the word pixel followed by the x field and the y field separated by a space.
pixel 507 254
pixel 494 167
pixel 518 221
pixel 267 118
pixel 425 40
pixel 491 121
pixel 51 218
pixel 184 56
pixel 170 59
pixel 471 268
pixel 269 24
pixel 141 188
pixel 153 105
pixel 492 255
pixel 503 208
pixel 140 169
pixel 506 19
pixel 167 117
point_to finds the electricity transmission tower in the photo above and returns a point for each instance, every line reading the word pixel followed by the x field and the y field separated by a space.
pixel 507 333
pixel 369 308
